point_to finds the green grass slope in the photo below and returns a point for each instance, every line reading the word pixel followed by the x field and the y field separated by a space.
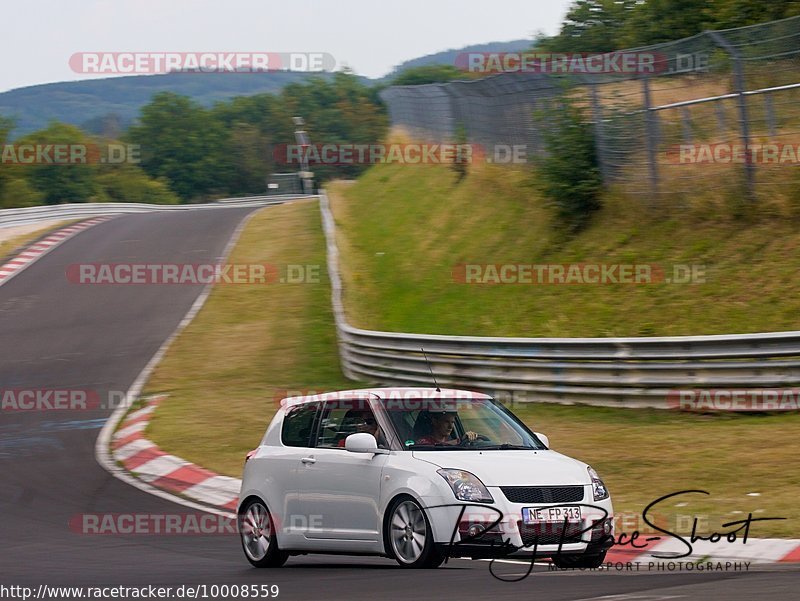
pixel 402 230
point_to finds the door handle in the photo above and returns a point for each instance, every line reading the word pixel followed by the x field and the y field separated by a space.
pixel 308 460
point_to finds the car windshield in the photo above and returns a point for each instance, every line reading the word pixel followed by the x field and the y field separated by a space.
pixel 458 424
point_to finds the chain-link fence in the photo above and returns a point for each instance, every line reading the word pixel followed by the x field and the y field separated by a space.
pixel 496 112
pixel 717 112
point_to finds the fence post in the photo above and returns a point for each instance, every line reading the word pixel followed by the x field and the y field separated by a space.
pixel 770 114
pixel 651 135
pixel 599 134
pixel 739 89
pixel 686 125
pixel 720 110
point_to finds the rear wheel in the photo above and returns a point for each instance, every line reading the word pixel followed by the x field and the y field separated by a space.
pixel 409 536
pixel 579 561
pixel 259 541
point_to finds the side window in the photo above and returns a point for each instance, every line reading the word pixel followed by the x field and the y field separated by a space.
pixel 298 424
pixel 338 423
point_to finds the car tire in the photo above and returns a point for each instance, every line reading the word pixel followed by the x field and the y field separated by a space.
pixel 257 532
pixel 408 536
pixel 579 561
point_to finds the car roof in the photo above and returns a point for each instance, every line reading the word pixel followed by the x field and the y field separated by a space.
pixel 401 392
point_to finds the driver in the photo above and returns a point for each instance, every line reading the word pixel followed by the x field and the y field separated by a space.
pixel 442 425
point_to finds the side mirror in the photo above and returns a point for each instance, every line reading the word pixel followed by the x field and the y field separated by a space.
pixel 363 442
pixel 543 438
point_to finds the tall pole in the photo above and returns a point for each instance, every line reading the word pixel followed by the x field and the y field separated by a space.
pixel 302 139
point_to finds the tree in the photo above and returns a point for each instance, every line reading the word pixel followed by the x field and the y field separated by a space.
pixel 591 26
pixel 182 142
pixel 569 173
pixel 414 76
pixel 128 183
pixel 657 21
pixel 738 13
pixel 6 125
pixel 61 182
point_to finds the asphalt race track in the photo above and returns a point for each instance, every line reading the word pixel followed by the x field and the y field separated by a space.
pixel 54 334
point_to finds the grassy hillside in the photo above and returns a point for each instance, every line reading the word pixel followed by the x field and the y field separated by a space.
pixel 403 229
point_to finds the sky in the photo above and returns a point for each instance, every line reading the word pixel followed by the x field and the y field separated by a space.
pixel 370 37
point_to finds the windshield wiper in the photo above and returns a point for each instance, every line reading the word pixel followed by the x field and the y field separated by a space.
pixel 434 447
pixel 505 446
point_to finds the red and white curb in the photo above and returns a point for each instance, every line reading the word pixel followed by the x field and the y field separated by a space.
pixel 145 461
pixel 37 250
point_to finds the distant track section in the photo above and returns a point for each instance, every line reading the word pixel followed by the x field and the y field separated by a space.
pixel 81 210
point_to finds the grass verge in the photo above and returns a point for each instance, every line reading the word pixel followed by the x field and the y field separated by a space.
pixel 248 345
pixel 9 246
pixel 643 454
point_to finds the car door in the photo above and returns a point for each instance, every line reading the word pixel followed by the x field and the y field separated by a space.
pixel 284 462
pixel 340 490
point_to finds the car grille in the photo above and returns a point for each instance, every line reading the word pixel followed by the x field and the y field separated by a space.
pixel 543 494
pixel 549 533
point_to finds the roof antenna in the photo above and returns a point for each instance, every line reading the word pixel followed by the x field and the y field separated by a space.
pixel 430 370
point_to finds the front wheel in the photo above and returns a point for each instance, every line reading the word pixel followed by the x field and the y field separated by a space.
pixel 410 536
pixel 579 561
pixel 259 541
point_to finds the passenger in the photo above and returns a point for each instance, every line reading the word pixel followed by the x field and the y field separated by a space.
pixel 365 422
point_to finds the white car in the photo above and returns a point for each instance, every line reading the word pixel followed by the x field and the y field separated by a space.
pixel 418 475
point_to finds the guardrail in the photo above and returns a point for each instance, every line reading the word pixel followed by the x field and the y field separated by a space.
pixel 63 212
pixel 630 372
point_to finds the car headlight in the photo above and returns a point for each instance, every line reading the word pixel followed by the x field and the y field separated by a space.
pixel 466 486
pixel 598 488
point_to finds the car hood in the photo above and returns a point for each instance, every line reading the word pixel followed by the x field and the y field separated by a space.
pixel 512 468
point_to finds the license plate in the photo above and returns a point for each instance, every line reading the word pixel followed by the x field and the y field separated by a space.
pixel 532 515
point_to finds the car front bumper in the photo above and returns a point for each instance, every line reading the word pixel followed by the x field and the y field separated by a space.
pixel 504 533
